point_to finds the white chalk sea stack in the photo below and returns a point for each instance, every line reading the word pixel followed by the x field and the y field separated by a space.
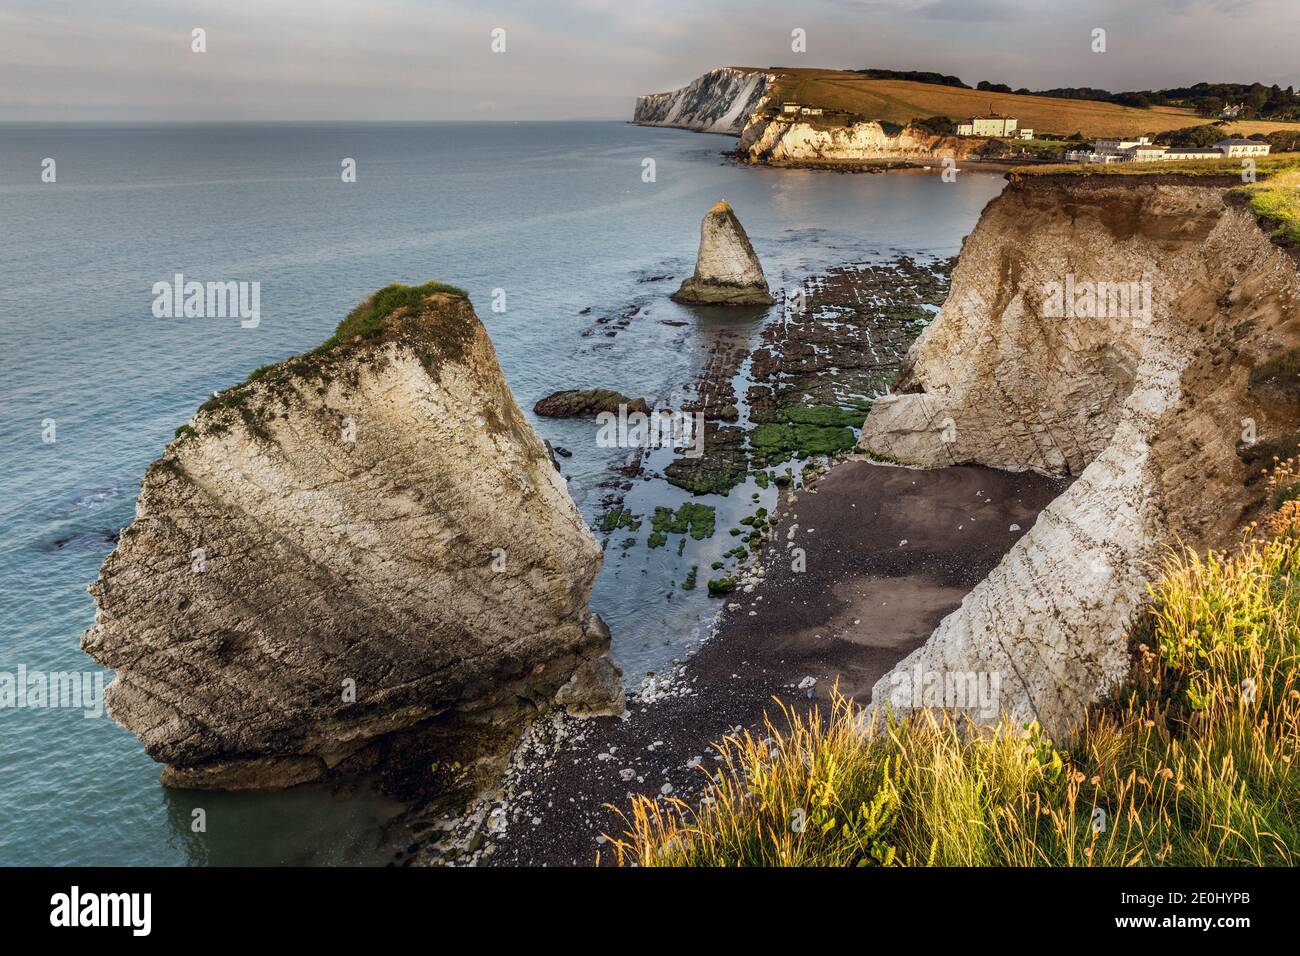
pixel 361 558
pixel 727 272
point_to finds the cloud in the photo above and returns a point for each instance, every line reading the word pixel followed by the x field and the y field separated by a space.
pixel 974 10
pixel 430 59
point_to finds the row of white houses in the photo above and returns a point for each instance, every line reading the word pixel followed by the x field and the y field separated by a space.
pixel 1142 150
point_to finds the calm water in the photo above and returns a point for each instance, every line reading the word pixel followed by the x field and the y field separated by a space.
pixel 554 214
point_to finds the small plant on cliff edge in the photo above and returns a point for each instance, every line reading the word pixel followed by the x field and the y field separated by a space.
pixel 1282 369
pixel 367 319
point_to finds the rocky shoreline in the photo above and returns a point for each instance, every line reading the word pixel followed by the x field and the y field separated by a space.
pixel 887 552
pixel 838 340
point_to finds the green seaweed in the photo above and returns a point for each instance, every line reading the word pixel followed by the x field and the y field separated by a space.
pixel 720 586
pixel 694 519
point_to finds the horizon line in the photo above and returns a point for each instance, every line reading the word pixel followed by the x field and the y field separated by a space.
pixel 196 122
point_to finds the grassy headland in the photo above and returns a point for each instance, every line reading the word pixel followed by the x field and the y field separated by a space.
pixel 901 101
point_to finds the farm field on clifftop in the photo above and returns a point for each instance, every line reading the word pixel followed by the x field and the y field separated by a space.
pixel 900 101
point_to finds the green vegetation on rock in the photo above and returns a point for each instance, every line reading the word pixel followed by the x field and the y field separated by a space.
pixel 619 517
pixel 363 323
pixel 775 442
pixel 720 586
pixel 694 519
pixel 825 416
pixel 367 319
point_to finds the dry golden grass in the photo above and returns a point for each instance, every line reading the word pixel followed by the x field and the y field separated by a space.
pixel 1266 168
pixel 900 101
pixel 1274 197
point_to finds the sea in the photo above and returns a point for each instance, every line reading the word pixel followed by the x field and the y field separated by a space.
pixel 550 227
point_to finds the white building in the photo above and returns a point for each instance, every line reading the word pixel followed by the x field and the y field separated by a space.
pixel 990 125
pixel 1233 148
pixel 789 107
pixel 1092 156
pixel 1145 153
pixel 1180 153
pixel 1142 150
pixel 1120 145
pixel 1025 133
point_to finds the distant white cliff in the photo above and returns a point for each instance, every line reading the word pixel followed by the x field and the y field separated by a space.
pixel 720 101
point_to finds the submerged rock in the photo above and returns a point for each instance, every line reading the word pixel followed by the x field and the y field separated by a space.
pixel 586 403
pixel 727 272
pixel 361 556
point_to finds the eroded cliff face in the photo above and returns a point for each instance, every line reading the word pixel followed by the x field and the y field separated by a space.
pixel 1143 391
pixel 720 101
pixel 780 142
pixel 363 553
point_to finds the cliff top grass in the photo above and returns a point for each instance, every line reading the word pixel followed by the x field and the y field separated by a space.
pixel 901 101
pixel 1194 760
pixel 1265 166
pixel 1274 197
pixel 367 319
pixel 1276 202
pixel 364 323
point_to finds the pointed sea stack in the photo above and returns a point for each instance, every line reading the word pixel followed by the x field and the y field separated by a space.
pixel 726 270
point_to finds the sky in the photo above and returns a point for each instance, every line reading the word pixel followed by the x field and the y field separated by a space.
pixel 585 59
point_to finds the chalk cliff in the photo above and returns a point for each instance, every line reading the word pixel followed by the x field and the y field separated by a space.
pixel 720 101
pixel 727 271
pixel 739 102
pixel 785 142
pixel 359 555
pixel 1104 327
